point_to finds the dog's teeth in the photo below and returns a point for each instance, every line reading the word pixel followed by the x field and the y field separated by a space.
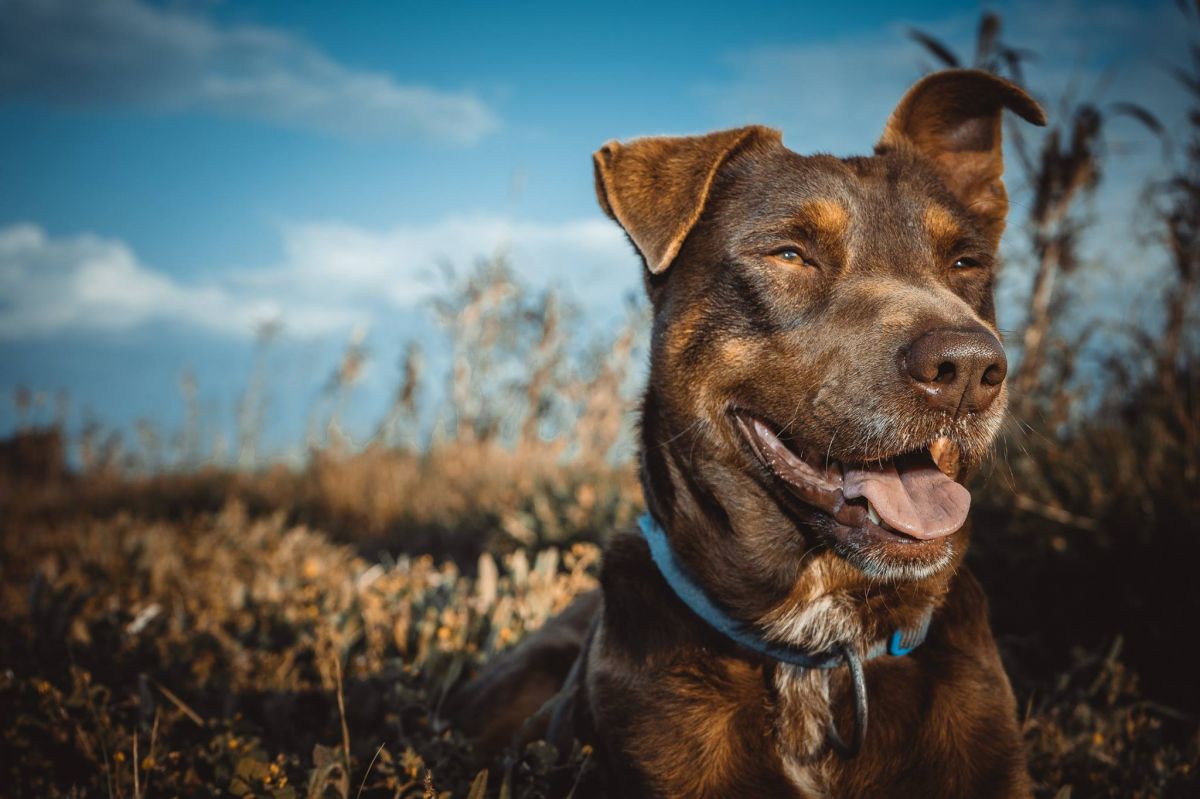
pixel 946 455
pixel 872 514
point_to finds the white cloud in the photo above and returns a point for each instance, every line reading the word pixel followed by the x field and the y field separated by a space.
pixel 398 265
pixel 85 282
pixel 332 276
pixel 128 52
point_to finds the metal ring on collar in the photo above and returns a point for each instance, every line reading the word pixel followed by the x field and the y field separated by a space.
pixel 858 685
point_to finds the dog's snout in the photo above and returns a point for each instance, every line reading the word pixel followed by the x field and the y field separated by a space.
pixel 956 370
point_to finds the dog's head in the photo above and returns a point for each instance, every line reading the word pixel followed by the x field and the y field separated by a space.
pixel 825 360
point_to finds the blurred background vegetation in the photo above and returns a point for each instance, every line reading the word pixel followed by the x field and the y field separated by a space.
pixel 183 619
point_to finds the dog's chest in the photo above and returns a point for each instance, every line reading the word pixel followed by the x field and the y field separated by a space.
pixel 801 719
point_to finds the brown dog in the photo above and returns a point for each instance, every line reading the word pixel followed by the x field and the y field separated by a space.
pixel 824 368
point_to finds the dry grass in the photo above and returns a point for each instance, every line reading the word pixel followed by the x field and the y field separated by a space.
pixel 216 641
pixel 204 656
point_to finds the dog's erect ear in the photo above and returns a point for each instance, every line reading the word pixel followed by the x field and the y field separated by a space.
pixel 656 187
pixel 953 118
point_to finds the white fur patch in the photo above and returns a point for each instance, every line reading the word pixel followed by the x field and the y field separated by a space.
pixel 815 625
pixel 803 715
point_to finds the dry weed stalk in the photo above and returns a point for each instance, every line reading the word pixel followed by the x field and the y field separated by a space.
pixel 252 405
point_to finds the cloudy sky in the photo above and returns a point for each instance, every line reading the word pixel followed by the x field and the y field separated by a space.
pixel 175 173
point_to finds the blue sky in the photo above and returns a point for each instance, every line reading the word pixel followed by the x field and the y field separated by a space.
pixel 175 172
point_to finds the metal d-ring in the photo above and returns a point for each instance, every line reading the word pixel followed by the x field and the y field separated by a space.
pixel 858 684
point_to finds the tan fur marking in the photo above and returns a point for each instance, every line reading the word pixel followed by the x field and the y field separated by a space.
pixel 942 225
pixel 831 217
pixel 682 331
pixel 740 352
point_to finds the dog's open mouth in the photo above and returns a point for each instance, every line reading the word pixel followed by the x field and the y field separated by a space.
pixel 913 495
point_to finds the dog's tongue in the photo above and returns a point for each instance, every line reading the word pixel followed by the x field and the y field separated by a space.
pixel 912 495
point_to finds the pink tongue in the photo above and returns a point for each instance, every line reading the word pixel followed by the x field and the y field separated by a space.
pixel 911 495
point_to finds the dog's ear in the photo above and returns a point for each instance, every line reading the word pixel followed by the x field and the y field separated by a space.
pixel 954 119
pixel 656 188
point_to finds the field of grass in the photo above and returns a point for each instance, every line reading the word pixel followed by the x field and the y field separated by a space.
pixel 254 634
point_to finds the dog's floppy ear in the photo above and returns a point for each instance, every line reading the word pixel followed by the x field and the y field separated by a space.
pixel 953 118
pixel 655 188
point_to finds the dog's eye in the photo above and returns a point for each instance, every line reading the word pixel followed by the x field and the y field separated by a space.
pixel 966 263
pixel 792 256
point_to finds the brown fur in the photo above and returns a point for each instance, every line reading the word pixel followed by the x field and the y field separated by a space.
pixel 812 345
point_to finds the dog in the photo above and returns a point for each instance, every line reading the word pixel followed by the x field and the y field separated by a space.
pixel 793 617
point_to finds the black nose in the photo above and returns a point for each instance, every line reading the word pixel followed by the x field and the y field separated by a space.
pixel 957 370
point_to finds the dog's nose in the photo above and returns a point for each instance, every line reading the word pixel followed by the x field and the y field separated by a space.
pixel 957 370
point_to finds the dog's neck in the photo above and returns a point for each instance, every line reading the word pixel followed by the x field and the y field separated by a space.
pixel 752 556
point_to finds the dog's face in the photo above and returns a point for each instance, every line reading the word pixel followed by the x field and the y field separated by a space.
pixel 824 328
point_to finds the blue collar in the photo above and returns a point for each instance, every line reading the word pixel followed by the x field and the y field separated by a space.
pixel 899 643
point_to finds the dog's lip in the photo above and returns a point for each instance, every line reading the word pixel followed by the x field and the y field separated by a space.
pixel 823 484
pixel 818 485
